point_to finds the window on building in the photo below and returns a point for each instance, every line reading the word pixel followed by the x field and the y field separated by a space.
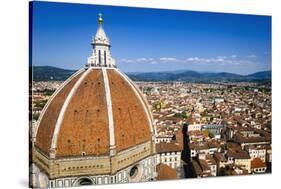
pixel 99 57
pixel 133 172
pixel 105 58
pixel 85 181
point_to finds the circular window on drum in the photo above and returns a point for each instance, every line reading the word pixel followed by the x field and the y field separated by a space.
pixel 135 173
pixel 84 181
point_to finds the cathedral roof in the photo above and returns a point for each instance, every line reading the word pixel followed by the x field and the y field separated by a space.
pixel 94 109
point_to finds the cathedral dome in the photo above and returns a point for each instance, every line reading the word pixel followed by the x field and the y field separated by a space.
pixel 94 109
pixel 96 126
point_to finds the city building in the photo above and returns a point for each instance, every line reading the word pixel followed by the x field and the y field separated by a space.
pixel 165 172
pixel 214 130
pixel 256 152
pixel 221 162
pixel 204 166
pixel 258 166
pixel 194 127
pixel 170 154
pixel 97 128
pixel 238 157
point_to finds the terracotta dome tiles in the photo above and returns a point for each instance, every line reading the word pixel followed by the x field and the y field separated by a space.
pixel 131 124
pixel 84 130
pixel 49 119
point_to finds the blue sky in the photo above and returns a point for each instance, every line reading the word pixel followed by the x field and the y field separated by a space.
pixel 146 40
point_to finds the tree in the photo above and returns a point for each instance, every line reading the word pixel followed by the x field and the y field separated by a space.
pixel 185 115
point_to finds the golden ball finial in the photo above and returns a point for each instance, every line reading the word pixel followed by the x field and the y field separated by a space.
pixel 100 19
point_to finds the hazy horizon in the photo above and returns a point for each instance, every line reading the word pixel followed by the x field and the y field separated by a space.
pixel 183 70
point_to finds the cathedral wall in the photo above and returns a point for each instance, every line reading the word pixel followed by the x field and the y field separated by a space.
pixel 92 165
pixel 81 166
pixel 128 157
pixel 147 169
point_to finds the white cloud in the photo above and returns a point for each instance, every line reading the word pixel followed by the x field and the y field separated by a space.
pixel 252 56
pixel 205 60
pixel 141 59
pixel 218 60
pixel 221 57
pixel 138 60
pixel 168 59
pixel 126 60
pixel 192 59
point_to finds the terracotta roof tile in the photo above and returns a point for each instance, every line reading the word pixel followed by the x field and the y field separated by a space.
pixel 165 172
pixel 131 123
pixel 167 147
pixel 257 163
pixel 85 124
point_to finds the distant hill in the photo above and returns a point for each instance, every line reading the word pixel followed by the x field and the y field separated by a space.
pixel 45 73
pixel 193 76
pixel 263 75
